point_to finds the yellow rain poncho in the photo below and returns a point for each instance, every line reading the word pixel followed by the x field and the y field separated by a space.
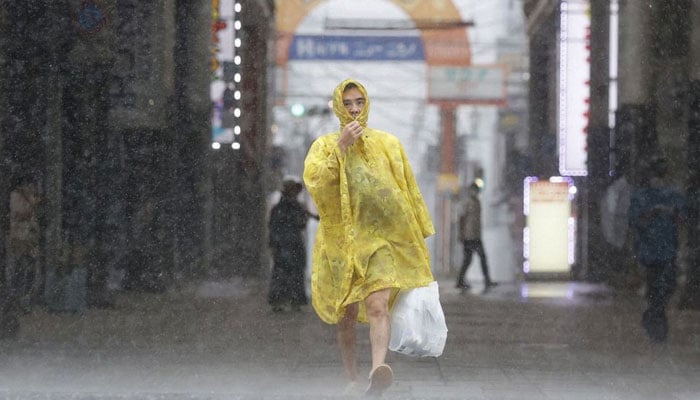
pixel 373 217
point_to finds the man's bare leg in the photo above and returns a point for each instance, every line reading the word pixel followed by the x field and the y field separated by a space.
pixel 381 376
pixel 347 341
pixel 377 305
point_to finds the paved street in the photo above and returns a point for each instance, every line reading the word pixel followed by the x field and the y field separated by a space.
pixel 221 341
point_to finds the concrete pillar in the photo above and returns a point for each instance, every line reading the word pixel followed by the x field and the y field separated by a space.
pixel 30 65
pixel 671 26
pixel 448 184
pixel 542 148
pixel 4 170
pixel 594 246
pixel 52 203
pixel 598 132
pixel 690 295
pixel 635 51
pixel 192 133
pixel 634 130
pixel 9 316
pixel 85 123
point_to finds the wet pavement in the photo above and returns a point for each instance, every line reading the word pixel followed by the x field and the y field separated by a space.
pixel 554 340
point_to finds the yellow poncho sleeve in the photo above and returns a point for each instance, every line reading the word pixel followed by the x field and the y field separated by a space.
pixel 418 204
pixel 331 272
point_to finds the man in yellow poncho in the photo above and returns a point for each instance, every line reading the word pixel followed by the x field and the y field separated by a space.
pixel 371 239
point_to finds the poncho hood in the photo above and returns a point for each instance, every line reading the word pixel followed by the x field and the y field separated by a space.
pixel 341 112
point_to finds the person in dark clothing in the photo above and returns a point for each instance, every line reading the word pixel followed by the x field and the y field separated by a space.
pixel 470 236
pixel 656 211
pixel 288 220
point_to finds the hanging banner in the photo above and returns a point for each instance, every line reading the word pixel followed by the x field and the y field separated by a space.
pixel 225 65
pixel 356 48
pixel 468 85
pixel 574 86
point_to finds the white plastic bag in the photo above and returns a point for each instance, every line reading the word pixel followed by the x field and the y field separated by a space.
pixel 418 325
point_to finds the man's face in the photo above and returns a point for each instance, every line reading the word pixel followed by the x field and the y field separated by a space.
pixel 354 101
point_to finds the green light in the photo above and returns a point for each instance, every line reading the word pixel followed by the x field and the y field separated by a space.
pixel 297 110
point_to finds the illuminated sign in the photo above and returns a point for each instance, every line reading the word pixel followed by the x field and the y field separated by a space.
pixel 549 235
pixel 574 86
pixel 225 90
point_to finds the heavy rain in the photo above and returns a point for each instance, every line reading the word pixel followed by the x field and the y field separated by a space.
pixel 235 199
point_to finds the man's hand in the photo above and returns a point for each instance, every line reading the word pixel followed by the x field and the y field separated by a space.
pixel 351 132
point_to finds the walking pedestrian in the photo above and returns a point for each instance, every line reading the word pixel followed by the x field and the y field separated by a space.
pixel 371 239
pixel 288 220
pixel 656 211
pixel 470 236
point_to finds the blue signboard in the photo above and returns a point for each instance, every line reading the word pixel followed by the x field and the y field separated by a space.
pixel 356 48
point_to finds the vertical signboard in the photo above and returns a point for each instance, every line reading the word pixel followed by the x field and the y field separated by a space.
pixel 226 73
pixel 549 235
pixel 574 86
pixel 468 85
